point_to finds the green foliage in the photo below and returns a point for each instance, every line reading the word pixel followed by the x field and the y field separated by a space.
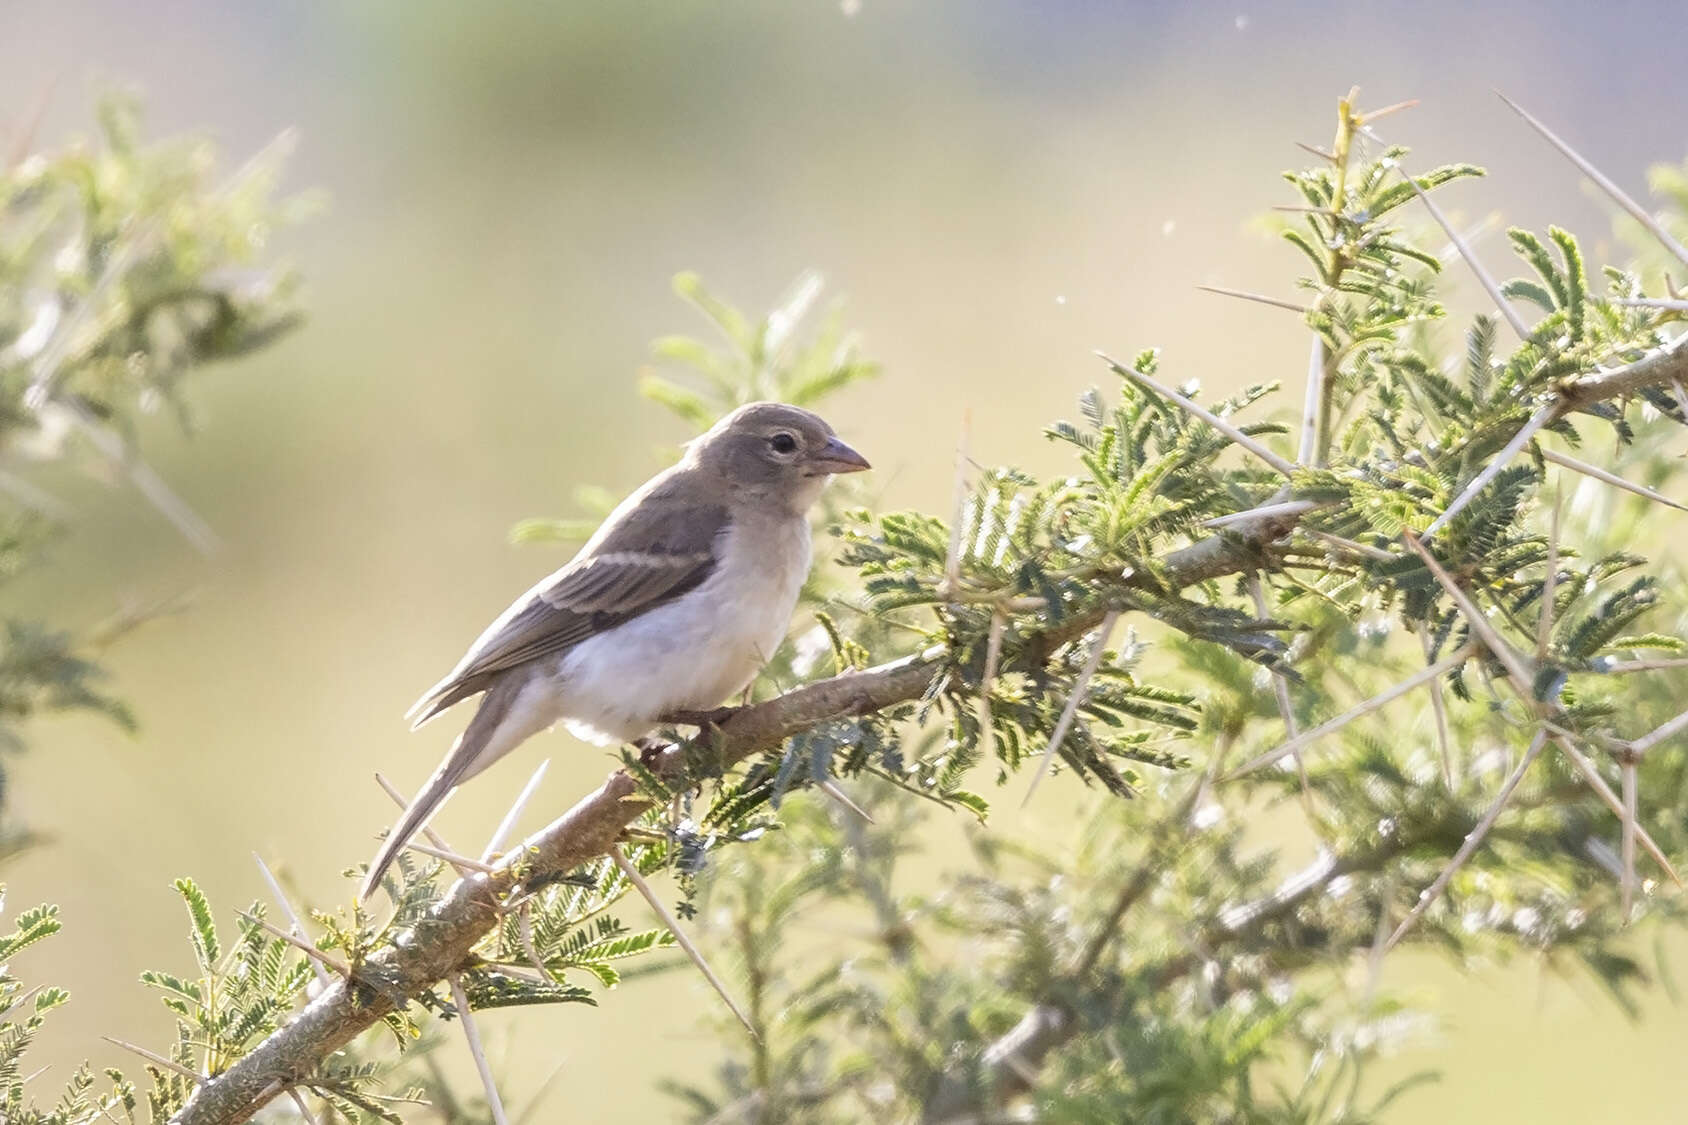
pixel 125 267
pixel 23 1013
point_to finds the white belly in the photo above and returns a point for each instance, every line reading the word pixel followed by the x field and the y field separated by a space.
pixel 695 652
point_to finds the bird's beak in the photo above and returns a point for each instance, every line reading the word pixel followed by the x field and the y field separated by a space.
pixel 836 457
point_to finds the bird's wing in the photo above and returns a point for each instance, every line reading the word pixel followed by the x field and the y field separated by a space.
pixel 657 546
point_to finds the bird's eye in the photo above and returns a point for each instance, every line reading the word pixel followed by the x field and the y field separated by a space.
pixel 783 442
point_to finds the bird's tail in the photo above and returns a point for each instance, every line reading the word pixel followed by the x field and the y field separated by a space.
pixel 487 738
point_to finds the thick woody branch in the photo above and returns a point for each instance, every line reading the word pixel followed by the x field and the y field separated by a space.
pixel 440 945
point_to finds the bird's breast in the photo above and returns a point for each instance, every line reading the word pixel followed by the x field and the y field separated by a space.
pixel 700 649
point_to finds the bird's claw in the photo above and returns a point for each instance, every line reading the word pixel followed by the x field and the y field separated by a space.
pixel 702 720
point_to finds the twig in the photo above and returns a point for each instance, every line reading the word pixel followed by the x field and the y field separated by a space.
pixel 1376 702
pixel 1258 298
pixel 156 1059
pixel 473 1035
pixel 1074 699
pixel 1206 415
pixel 1540 418
pixel 287 909
pixel 680 936
pixel 1622 199
pixel 1600 474
pixel 510 818
pixel 1472 841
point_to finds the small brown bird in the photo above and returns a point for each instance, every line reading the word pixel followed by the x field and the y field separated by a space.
pixel 673 606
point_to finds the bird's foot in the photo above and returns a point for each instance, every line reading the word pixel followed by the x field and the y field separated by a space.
pixel 702 720
pixel 650 750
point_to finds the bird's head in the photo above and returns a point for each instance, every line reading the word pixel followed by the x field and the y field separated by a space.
pixel 777 453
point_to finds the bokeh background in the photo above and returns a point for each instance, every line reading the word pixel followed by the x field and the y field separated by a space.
pixel 997 188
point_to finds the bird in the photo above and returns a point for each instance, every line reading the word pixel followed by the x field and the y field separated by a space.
pixel 671 608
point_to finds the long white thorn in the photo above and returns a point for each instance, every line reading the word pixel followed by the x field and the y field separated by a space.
pixel 287 909
pixel 524 931
pixel 1658 734
pixel 1522 677
pixel 1285 467
pixel 1280 688
pixel 1352 546
pixel 304 1110
pixel 1604 792
pixel 1074 699
pixel 461 862
pixel 1619 196
pixel 832 789
pixel 952 557
pixel 1648 303
pixel 993 658
pixel 1471 260
pixel 1473 840
pixel 1550 585
pixel 1631 819
pixel 443 850
pixel 1599 474
pixel 156 1059
pixel 1376 702
pixel 510 818
pixel 1257 298
pixel 680 936
pixel 473 1035
pixel 1500 460
pixel 147 482
pixel 1439 709
pixel 301 944
pixel 1627 666
pixel 1267 511
pixel 1313 402
pixel 33 497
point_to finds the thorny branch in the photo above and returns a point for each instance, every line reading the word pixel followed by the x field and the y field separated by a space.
pixel 440 945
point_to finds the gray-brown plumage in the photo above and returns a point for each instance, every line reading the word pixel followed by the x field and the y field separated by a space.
pixel 673 606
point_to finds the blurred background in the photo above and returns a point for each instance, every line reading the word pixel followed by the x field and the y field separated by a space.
pixel 996 188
